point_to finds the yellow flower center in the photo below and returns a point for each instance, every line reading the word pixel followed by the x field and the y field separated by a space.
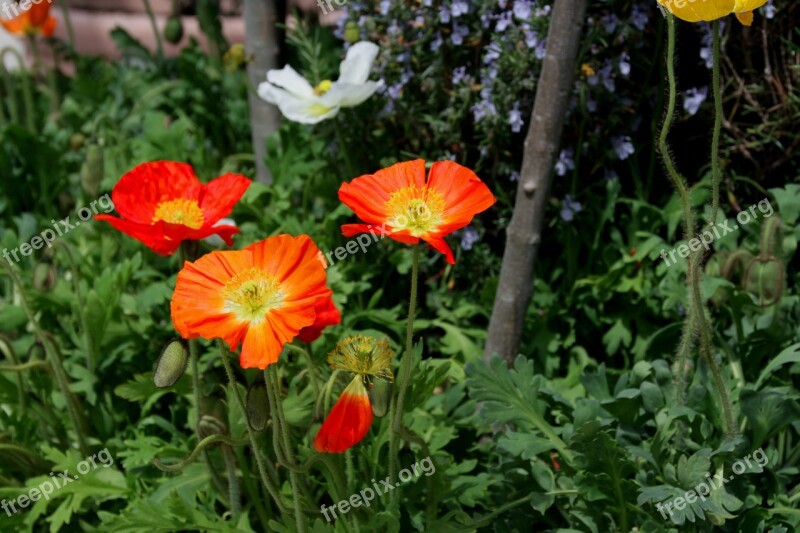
pixel 180 211
pixel 419 210
pixel 251 294
pixel 365 356
pixel 323 87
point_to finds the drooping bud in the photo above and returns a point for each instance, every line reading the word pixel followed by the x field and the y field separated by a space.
pixel 771 237
pixel 171 363
pixel 764 278
pixel 257 406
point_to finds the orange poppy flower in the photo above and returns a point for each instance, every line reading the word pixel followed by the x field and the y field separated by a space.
pixel 399 202
pixel 34 20
pixel 163 203
pixel 327 315
pixel 351 416
pixel 262 296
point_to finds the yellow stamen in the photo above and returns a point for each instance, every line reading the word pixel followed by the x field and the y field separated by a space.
pixel 181 211
pixel 323 87
pixel 251 294
pixel 419 210
pixel 363 355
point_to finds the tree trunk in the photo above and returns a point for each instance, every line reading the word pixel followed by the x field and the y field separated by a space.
pixel 262 41
pixel 523 234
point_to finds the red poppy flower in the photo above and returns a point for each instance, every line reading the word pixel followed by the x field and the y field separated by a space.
pixel 32 21
pixel 262 296
pixel 163 203
pixel 399 202
pixel 327 315
pixel 348 421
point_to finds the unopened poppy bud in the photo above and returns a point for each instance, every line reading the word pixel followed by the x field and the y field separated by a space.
pixel 380 395
pixel 93 169
pixel 44 277
pixel 257 406
pixel 733 264
pixel 171 364
pixel 764 278
pixel 352 33
pixel 173 32
pixel 211 425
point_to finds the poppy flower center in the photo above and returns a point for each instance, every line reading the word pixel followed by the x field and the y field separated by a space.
pixel 251 294
pixel 323 87
pixel 181 211
pixel 417 209
pixel 363 355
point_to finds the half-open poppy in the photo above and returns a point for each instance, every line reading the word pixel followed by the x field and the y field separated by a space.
pixel 262 296
pixel 708 10
pixel 163 203
pixel 399 202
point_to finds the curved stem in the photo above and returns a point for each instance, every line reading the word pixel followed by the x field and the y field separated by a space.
pixel 312 368
pixel 30 365
pixel 272 490
pixel 8 351
pixel 404 375
pixel 201 446
pixel 152 17
pixel 68 22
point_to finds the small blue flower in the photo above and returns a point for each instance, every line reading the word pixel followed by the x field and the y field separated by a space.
pixel 459 32
pixel 458 8
pixel 610 22
pixel 436 43
pixel 639 16
pixel 384 7
pixel 623 146
pixel 469 237
pixel 522 9
pixel 770 10
pixel 625 64
pixel 504 21
pixel 693 99
pixel 515 119
pixel 514 176
pixel 444 15
pixel 570 208
pixel 459 75
pixel 565 162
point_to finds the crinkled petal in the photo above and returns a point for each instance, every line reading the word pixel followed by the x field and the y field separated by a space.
pixel 288 79
pixel 696 11
pixel 348 94
pixel 302 110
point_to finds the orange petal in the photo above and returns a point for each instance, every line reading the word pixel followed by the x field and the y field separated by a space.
pixel 745 18
pixel 39 13
pixel 220 195
pixel 326 315
pixel 464 193
pixel 348 422
pixel 49 27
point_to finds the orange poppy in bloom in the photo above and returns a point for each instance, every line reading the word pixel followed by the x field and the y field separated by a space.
pixel 327 315
pixel 34 20
pixel 350 419
pixel 262 296
pixel 163 203
pixel 399 202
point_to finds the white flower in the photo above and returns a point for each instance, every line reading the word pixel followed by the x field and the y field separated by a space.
pixel 8 40
pixel 300 102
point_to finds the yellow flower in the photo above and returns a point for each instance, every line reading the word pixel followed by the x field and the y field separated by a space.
pixel 707 10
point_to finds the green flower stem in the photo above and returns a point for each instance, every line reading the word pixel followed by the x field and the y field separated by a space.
pixel 272 490
pixel 716 175
pixel 696 321
pixel 234 492
pixel 201 446
pixel 404 375
pixel 91 350
pixel 271 375
pixel 8 80
pixel 68 22
pixel 151 15
pixel 30 109
pixel 74 409
pixel 8 351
